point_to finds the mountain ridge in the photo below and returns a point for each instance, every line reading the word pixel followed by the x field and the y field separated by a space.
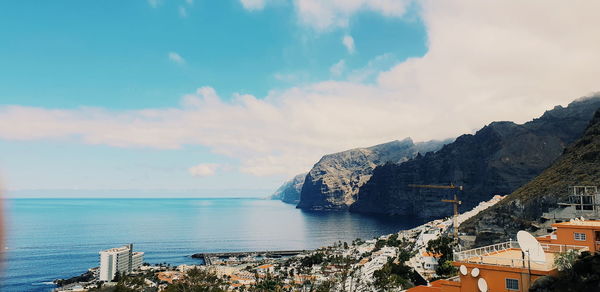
pixel 521 210
pixel 334 180
pixel 497 159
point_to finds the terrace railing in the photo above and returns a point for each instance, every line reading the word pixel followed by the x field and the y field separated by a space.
pixel 462 256
pixel 490 255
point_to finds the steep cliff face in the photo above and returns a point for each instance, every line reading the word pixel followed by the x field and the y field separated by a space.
pixel 579 165
pixel 497 159
pixel 333 182
pixel 289 192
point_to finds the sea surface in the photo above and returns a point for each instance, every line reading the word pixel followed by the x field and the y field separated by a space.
pixel 60 238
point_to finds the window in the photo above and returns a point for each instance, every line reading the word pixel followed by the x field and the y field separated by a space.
pixel 512 284
pixel 580 236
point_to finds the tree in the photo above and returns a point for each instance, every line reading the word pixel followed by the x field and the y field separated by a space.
pixel 313 259
pixel 269 283
pixel 197 280
pixel 584 275
pixel 326 286
pixel 443 247
pixel 393 275
pixel 118 276
pixel 565 260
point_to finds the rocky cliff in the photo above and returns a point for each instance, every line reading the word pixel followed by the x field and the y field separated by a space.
pixel 333 182
pixel 579 165
pixel 289 192
pixel 497 159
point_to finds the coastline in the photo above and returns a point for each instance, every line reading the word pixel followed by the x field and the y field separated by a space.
pixel 367 256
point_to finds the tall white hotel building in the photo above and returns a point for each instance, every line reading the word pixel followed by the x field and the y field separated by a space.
pixel 119 259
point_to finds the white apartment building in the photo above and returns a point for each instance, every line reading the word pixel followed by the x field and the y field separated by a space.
pixel 119 259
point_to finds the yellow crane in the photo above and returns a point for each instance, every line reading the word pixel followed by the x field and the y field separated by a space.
pixel 454 202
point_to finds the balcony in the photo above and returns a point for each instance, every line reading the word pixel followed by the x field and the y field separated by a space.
pixel 508 254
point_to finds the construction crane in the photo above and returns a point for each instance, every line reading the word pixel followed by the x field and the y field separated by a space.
pixel 454 202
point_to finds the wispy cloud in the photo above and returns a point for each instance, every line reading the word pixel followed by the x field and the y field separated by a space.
pixel 373 68
pixel 204 169
pixel 323 15
pixel 326 14
pixel 183 12
pixel 348 42
pixel 253 5
pixel 338 68
pixel 176 58
pixel 480 66
pixel 154 3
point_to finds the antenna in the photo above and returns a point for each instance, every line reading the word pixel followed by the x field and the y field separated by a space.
pixel 531 247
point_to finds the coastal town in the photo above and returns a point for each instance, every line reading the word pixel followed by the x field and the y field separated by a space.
pixel 412 260
pixel 361 265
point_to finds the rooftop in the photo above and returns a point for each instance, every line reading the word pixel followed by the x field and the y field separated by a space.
pixel 508 254
pixel 429 254
pixel 265 266
pixel 117 249
pixel 577 222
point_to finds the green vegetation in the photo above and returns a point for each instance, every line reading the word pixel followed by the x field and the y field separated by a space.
pixel 565 260
pixel 443 246
pixel 197 280
pixel 394 274
pixel 584 275
pixel 314 259
pixel 269 283
pixel 85 277
pixel 392 241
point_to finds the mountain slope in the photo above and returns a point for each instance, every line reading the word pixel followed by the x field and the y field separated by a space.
pixel 579 165
pixel 333 182
pixel 497 159
pixel 289 192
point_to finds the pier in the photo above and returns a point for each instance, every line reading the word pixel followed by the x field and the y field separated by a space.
pixel 209 257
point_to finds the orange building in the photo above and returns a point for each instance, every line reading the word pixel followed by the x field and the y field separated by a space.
pixel 575 232
pixel 504 267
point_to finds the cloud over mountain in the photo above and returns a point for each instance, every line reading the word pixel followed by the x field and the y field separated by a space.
pixel 486 61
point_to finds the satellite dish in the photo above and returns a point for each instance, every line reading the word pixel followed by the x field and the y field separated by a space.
pixel 482 284
pixel 531 247
pixel 475 272
pixel 463 270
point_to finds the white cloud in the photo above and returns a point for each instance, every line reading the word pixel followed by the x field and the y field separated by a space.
pixel 176 58
pixel 326 14
pixel 492 60
pixel 154 3
pixel 338 68
pixel 183 12
pixel 189 2
pixel 348 42
pixel 323 15
pixel 203 169
pixel 373 68
pixel 253 5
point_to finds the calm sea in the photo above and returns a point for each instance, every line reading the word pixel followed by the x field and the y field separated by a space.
pixel 60 238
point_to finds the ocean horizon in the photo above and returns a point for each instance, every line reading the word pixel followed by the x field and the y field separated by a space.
pixel 50 238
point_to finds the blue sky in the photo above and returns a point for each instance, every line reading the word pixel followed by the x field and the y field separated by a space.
pixel 116 55
pixel 232 97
